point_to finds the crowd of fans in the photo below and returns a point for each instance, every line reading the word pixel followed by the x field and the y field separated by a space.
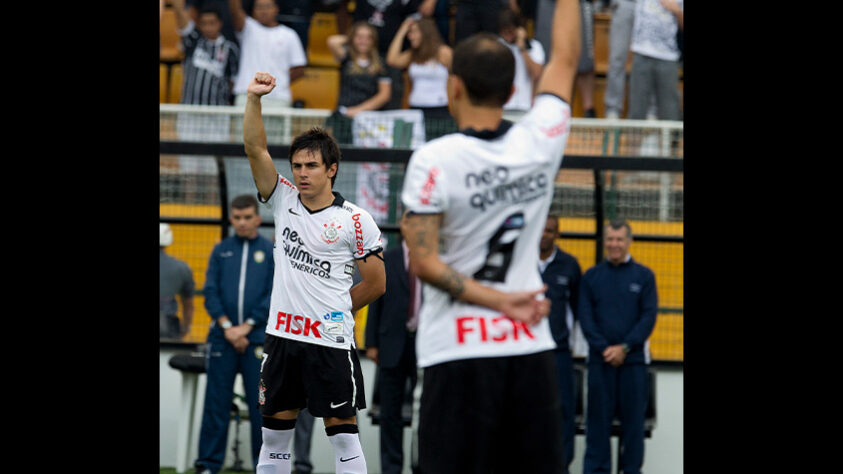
pixel 227 41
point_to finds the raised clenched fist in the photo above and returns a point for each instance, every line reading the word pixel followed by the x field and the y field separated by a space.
pixel 261 84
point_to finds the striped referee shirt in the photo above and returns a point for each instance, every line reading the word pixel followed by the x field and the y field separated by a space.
pixel 209 68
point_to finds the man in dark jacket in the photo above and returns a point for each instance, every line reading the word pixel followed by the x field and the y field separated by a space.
pixel 390 342
pixel 561 272
pixel 617 311
pixel 237 289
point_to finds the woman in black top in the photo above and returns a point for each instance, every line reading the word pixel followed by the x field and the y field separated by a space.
pixel 364 81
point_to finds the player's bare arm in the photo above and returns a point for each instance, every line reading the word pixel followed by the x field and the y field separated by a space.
pixel 254 135
pixel 558 75
pixel 373 283
pixel 421 232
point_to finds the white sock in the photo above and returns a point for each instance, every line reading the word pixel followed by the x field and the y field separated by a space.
pixel 348 453
pixel 275 456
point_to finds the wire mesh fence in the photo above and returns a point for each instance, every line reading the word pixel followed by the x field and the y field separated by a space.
pixel 194 189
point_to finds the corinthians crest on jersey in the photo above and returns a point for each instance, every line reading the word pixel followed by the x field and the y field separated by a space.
pixel 331 233
pixel 314 250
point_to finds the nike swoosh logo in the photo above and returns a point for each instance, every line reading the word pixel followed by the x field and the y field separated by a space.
pixel 349 459
pixel 337 406
pixel 293 212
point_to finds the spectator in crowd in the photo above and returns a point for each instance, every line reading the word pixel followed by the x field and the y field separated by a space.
pixel 386 17
pixel 237 288
pixel 617 311
pixel 195 6
pixel 655 60
pixel 620 35
pixel 529 59
pixel 584 84
pixel 364 81
pixel 561 273
pixel 174 279
pixel 295 14
pixel 267 46
pixel 391 343
pixel 210 65
pixel 427 62
pixel 211 59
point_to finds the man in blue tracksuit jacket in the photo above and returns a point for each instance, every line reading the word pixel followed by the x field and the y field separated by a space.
pixel 237 290
pixel 561 272
pixel 617 313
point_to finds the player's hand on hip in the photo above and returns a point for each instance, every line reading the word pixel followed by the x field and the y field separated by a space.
pixel 526 306
pixel 261 84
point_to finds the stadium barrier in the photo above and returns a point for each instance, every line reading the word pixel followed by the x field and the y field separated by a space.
pixel 612 168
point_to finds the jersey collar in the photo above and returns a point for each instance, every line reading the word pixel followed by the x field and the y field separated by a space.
pixel 503 127
pixel 338 201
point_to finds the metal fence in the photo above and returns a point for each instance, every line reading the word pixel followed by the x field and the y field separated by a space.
pixel 612 168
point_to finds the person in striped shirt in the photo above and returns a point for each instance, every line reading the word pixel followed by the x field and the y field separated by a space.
pixel 211 59
pixel 210 64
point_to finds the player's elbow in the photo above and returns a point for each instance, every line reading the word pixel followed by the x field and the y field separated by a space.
pixel 566 61
pixel 254 149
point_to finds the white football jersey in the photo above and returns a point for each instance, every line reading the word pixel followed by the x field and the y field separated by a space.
pixel 315 254
pixel 494 191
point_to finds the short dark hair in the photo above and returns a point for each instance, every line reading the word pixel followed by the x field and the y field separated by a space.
pixel 317 139
pixel 621 223
pixel 244 201
pixel 210 8
pixel 486 67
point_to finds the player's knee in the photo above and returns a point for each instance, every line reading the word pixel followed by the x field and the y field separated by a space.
pixel 278 424
pixel 334 421
pixel 284 415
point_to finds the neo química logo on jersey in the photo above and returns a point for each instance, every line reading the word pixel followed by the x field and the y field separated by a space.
pixel 300 259
pixel 494 187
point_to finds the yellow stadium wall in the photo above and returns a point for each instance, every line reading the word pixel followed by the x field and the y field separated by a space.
pixel 193 243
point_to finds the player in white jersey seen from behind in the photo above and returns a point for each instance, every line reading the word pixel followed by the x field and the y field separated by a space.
pixel 310 359
pixel 476 204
